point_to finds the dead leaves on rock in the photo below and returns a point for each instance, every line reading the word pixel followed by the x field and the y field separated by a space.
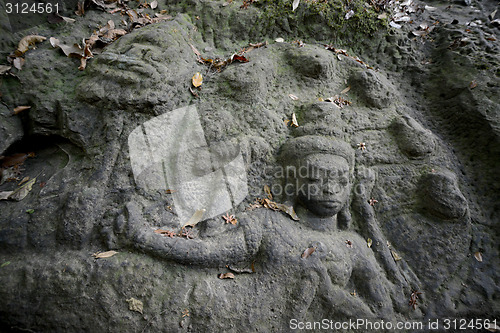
pixel 269 204
pixel 135 305
pixel 104 255
pixel 26 42
pixel 340 52
pixel 21 108
pixel 226 276
pixel 197 80
pixel 479 256
pixel 16 58
pixel 218 64
pixel 108 33
pixel 308 252
pixel 94 44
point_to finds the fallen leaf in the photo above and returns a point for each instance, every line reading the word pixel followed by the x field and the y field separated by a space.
pixel 240 58
pixel 28 41
pixel 5 195
pixel 395 25
pixel 267 191
pixel 226 276
pixel 473 84
pixel 195 50
pixel 24 180
pixel 20 109
pixel 197 216
pixel 419 33
pixel 153 4
pixel 83 63
pixel 54 41
pixel 294 120
pixel 279 40
pixel 429 8
pixel 197 79
pixel 349 14
pixel 293 97
pixel 66 19
pixel 396 256
pixel 289 210
pixel 15 159
pixel 195 94
pixel 345 90
pixel 30 211
pixel 135 305
pixel 382 16
pixel 165 232
pixel 4 69
pixel 74 51
pixel 20 193
pixel 18 63
pixel 479 256
pixel 5 264
pixel 295 4
pixel 80 11
pixel 103 255
pixel 308 252
pixel 369 242
pixel 241 270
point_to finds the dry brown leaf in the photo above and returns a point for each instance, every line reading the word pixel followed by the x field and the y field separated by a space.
pixel 195 94
pixel 197 79
pixel 226 276
pixel 479 256
pixel 18 63
pixel 308 252
pixel 54 42
pixel 135 305
pixel 66 19
pixel 197 216
pixel 153 4
pixel 27 41
pixel 294 120
pixel 5 195
pixel 473 84
pixel 103 255
pixel 74 51
pixel 396 256
pixel 345 90
pixel 20 193
pixel 268 193
pixel 369 242
pixel 289 210
pixel 195 50
pixel 83 63
pixel 24 180
pixel 20 109
pixel 4 69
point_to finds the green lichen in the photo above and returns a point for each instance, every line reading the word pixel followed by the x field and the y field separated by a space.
pixel 312 15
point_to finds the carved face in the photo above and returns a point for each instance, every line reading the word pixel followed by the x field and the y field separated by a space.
pixel 324 189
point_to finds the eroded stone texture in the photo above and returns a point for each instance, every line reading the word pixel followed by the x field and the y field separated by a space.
pixel 410 191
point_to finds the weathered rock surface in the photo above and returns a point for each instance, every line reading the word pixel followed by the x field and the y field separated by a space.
pixel 410 164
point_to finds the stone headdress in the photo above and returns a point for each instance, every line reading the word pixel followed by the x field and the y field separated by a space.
pixel 295 149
